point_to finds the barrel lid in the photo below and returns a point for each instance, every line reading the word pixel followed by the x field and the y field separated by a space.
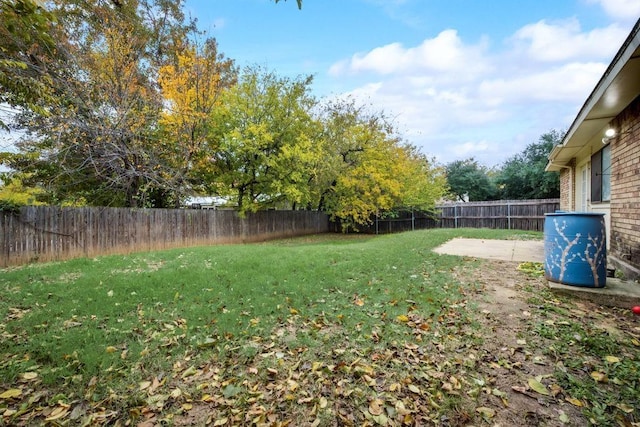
pixel 562 213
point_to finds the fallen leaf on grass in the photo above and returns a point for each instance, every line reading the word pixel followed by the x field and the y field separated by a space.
pixel 537 386
pixel 381 419
pixel 57 413
pixel 612 359
pixel 402 318
pixel 71 324
pixel 599 377
pixel 157 400
pixel 539 360
pixel 564 418
pixel 625 408
pixel 502 395
pixel 414 389
pixel 28 376
pixel 208 342
pixel 190 371
pixel 371 382
pixel 323 402
pixel 574 401
pixel 376 407
pixel 555 389
pixel 11 393
pixel 231 391
pixel 156 383
pixel 486 412
pixel 401 408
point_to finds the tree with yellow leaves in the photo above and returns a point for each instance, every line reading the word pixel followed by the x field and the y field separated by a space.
pixel 99 139
pixel 366 169
pixel 192 88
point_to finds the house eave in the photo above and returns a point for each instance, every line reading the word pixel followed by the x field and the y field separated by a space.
pixel 617 88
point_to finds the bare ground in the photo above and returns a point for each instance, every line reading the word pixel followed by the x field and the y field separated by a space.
pixel 512 353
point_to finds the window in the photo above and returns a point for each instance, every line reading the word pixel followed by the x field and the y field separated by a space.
pixel 584 183
pixel 601 175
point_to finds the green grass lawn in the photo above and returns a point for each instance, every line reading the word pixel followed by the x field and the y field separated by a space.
pixel 328 329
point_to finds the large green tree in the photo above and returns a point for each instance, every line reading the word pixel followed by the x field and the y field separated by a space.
pixel 139 115
pixel 470 181
pixel 26 52
pixel 260 146
pixel 523 176
pixel 99 141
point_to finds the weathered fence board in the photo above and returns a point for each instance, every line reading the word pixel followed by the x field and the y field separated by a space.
pixel 525 215
pixel 504 214
pixel 45 233
pixel 401 221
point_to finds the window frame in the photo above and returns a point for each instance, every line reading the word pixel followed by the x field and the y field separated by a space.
pixel 601 175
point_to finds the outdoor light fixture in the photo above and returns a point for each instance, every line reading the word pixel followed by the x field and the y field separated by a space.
pixel 611 133
pixel 608 135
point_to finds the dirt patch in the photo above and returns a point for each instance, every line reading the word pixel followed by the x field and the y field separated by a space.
pixel 512 354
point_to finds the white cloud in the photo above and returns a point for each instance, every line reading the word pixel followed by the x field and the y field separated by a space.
pixel 564 40
pixel 569 82
pixel 444 53
pixel 624 10
pixel 383 60
pixel 469 149
pixel 459 100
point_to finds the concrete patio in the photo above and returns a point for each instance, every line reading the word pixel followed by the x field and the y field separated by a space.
pixel 616 293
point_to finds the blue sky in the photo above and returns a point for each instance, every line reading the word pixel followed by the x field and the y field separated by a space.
pixel 463 78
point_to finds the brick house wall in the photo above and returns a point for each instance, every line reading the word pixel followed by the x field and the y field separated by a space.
pixel 625 189
pixel 567 187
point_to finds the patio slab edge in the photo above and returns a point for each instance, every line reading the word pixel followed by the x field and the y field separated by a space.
pixel 616 293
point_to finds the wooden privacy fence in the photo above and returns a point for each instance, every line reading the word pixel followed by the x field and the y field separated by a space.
pixel 45 233
pixel 504 214
pixel 525 215
pixel 405 220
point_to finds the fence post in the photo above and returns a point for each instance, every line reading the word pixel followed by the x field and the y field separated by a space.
pixel 509 215
pixel 455 215
pixel 413 220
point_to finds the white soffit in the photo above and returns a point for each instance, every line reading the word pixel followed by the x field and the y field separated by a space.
pixel 617 88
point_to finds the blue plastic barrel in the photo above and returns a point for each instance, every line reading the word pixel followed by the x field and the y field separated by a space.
pixel 575 249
